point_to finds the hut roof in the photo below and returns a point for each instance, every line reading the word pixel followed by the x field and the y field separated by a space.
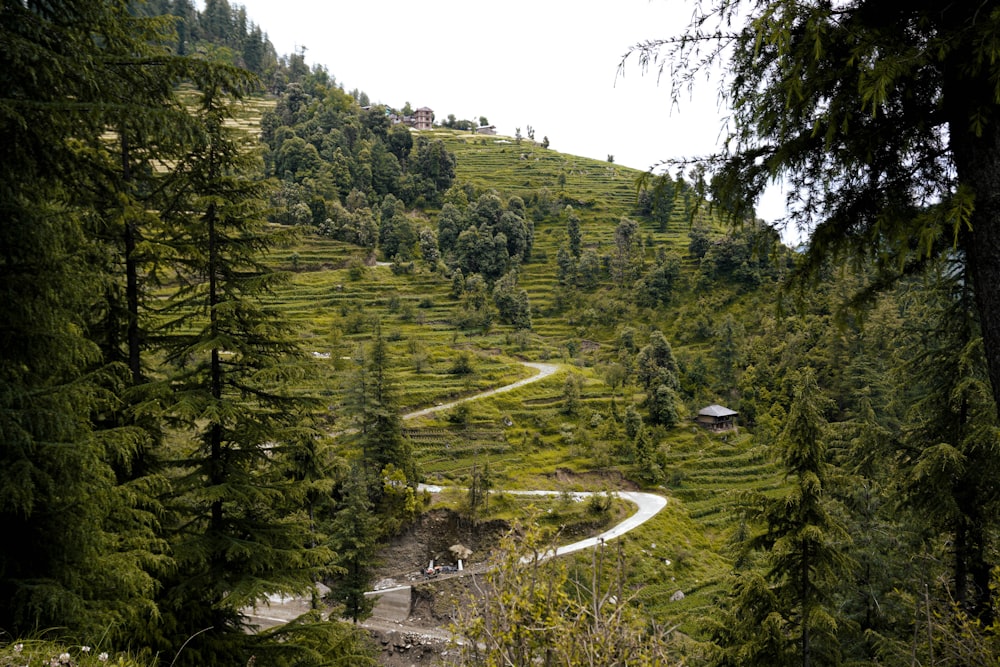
pixel 716 410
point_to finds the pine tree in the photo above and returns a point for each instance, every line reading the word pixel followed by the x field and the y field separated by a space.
pixel 386 455
pixel 354 538
pixel 573 231
pixel 82 548
pixel 657 373
pixel 949 450
pixel 241 532
pixel 784 614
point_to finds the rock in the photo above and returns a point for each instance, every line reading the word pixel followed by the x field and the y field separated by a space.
pixel 678 596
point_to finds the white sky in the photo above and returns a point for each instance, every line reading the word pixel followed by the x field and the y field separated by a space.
pixel 551 64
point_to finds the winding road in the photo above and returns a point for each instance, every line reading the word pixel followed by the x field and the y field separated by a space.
pixel 544 371
pixel 394 603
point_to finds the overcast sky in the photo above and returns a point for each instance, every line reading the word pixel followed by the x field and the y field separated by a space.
pixel 551 64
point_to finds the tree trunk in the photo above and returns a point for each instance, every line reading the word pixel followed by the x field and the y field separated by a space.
pixel 977 161
pixel 806 607
pixel 131 272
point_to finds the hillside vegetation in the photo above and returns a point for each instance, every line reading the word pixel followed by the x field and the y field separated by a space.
pixel 586 418
pixel 653 309
pixel 229 284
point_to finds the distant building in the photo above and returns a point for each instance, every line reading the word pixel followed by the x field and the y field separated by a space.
pixel 717 418
pixel 486 129
pixel 423 118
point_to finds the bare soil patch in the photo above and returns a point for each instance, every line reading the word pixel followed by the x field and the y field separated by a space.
pixel 430 538
pixel 595 480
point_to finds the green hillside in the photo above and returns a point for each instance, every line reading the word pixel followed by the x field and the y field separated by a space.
pixel 525 436
pixel 247 314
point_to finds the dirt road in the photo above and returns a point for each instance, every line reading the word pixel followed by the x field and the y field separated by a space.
pixel 393 606
pixel 544 370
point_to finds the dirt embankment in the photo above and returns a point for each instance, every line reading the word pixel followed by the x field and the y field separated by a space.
pixel 404 559
pixel 595 480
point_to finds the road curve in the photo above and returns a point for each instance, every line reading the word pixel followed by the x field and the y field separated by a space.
pixel 282 609
pixel 648 505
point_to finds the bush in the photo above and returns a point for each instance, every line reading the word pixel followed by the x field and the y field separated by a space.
pixel 599 504
pixel 356 270
pixel 462 364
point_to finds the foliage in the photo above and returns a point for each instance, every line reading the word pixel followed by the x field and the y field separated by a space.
pixel 106 241
pixel 379 431
pixel 528 610
pixel 45 652
pixel 82 547
pixel 512 302
pixel 354 540
pixel 949 450
pixel 865 115
pixel 236 529
pixel 785 614
pixel 658 285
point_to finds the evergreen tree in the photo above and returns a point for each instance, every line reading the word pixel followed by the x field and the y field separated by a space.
pixel 240 532
pixel 949 452
pixel 354 539
pixel 662 405
pixel 80 550
pixel 656 363
pixel 627 259
pixel 785 615
pixel 451 223
pixel 512 301
pixel 882 544
pixel 657 373
pixel 565 266
pixel 867 113
pixel 573 231
pixel 647 457
pixel 386 455
pixel 659 284
pixel 728 336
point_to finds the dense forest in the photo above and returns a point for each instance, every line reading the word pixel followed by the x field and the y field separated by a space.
pixel 226 280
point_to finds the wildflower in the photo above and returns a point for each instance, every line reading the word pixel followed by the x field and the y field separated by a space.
pixel 103 657
pixel 18 648
pixel 85 649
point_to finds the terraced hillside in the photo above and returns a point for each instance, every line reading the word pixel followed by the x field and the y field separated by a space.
pixel 528 437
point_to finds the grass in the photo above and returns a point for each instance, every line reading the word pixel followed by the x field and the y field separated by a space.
pixel 54 653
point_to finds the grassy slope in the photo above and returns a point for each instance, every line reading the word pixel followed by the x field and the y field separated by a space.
pixel 682 549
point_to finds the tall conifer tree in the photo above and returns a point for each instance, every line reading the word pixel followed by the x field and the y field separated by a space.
pixel 239 535
pixel 783 615
pixel 949 450
pixel 80 552
pixel 354 538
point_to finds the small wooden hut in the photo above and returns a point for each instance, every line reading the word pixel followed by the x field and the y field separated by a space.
pixel 717 418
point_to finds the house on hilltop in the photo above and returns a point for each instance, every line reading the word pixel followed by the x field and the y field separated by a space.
pixel 423 118
pixel 717 418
